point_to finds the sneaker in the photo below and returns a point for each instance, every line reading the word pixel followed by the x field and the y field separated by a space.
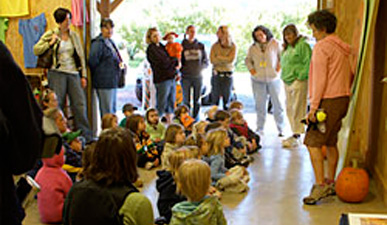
pixel 317 193
pixel 149 165
pixel 331 189
pixel 290 142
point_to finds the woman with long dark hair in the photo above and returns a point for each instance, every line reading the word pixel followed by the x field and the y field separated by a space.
pixel 263 62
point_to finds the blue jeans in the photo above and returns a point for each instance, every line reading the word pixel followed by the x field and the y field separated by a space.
pixel 70 84
pixel 196 84
pixel 107 100
pixel 221 86
pixel 261 90
pixel 166 96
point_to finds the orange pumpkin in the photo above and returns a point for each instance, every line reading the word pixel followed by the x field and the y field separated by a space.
pixel 352 184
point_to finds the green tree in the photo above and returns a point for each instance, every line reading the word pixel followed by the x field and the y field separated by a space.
pixel 134 37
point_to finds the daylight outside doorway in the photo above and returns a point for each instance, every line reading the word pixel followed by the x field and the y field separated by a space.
pixel 133 17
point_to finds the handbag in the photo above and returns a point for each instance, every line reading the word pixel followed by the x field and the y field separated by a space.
pixel 121 77
pixel 45 59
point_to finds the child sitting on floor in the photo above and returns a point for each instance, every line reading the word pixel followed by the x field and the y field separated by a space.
pixel 154 127
pixel 148 156
pixel 199 127
pixel 232 180
pixel 235 105
pixel 239 126
pixel 211 113
pixel 166 185
pixel 127 110
pixel 238 147
pixel 182 117
pixel 109 120
pixel 54 186
pixel 73 153
pixel 49 99
pixel 174 139
pixel 193 181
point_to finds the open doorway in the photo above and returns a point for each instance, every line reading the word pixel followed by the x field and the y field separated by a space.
pixel 133 17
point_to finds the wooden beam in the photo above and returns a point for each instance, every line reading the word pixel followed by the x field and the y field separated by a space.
pixel 115 4
pixel 105 8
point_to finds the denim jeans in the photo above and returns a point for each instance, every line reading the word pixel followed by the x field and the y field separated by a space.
pixel 70 84
pixel 221 86
pixel 166 95
pixel 107 100
pixel 196 84
pixel 261 90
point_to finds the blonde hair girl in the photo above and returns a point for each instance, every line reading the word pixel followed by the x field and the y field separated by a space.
pixel 217 140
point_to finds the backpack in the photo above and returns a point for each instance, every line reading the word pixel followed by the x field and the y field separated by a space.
pixel 90 203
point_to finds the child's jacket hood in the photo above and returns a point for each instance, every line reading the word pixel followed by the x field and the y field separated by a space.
pixel 56 161
pixel 207 211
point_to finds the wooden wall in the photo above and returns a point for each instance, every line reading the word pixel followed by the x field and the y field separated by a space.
pixel 14 40
pixel 378 135
pixel 368 137
pixel 350 17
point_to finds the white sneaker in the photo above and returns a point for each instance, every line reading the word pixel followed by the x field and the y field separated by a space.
pixel 290 142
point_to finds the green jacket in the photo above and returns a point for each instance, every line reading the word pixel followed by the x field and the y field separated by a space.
pixel 295 62
pixel 208 211
pixel 159 132
pixel 43 44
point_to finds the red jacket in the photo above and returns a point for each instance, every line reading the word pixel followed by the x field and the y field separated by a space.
pixel 54 186
pixel 241 129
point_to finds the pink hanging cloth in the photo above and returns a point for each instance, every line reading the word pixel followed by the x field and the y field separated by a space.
pixel 77 13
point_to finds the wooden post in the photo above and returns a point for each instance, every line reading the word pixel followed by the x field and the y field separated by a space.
pixel 105 7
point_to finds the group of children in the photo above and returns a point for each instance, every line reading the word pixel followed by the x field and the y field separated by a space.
pixel 215 153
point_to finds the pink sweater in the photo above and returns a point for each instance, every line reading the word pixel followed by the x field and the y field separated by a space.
pixel 331 70
pixel 55 184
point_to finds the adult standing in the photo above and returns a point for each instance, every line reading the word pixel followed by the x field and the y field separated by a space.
pixel 263 62
pixel 164 70
pixel 330 78
pixel 105 66
pixel 20 134
pixel 222 57
pixel 193 60
pixel 295 61
pixel 67 76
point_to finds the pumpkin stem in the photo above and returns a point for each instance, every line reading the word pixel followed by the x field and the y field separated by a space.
pixel 354 163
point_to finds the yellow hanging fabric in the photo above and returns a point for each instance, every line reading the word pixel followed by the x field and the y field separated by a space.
pixel 14 8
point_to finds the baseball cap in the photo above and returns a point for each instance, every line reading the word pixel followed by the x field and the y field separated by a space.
pixel 129 107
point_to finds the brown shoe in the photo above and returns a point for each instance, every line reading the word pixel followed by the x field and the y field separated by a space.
pixel 317 193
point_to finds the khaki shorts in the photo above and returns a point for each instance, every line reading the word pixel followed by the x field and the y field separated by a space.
pixel 336 109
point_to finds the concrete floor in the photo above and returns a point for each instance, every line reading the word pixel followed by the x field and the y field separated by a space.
pixel 280 178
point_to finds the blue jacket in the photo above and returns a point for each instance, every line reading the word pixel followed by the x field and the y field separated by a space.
pixel 104 64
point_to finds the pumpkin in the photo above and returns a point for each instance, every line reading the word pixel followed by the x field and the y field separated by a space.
pixel 352 184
